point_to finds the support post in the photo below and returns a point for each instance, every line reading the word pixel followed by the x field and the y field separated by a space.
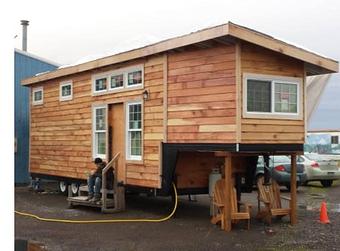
pixel 228 186
pixel 293 217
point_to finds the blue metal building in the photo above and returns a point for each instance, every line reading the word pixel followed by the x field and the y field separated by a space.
pixel 25 65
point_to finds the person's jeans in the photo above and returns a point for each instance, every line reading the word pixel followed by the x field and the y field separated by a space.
pixel 94 183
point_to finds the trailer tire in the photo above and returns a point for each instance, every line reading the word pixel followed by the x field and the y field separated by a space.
pixel 74 188
pixel 62 187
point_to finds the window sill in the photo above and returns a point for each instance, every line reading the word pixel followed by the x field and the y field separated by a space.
pixel 120 90
pixel 37 103
pixel 65 99
pixel 272 116
pixel 131 161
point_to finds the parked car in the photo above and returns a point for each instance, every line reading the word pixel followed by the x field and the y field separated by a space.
pixel 279 168
pixel 320 169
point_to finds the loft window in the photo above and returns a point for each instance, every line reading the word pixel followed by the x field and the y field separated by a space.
pixel 100 84
pixel 66 91
pixel 271 96
pixel 99 132
pixel 117 81
pixel 135 78
pixel 134 131
pixel 37 96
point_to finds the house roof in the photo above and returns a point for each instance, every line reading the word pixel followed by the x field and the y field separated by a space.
pixel 315 64
pixel 28 54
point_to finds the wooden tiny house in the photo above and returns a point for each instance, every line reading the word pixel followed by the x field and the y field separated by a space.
pixel 169 106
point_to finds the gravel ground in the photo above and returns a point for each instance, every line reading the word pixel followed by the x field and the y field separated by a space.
pixel 190 229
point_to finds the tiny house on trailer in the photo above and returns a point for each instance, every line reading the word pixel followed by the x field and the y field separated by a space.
pixel 170 106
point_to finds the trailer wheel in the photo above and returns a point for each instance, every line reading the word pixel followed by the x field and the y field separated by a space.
pixel 75 188
pixel 62 187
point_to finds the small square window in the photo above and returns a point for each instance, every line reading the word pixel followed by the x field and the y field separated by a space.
pixel 117 81
pixel 66 91
pixel 37 96
pixel 100 84
pixel 135 78
pixel 334 139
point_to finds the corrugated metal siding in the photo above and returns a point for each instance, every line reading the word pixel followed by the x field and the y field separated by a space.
pixel 25 66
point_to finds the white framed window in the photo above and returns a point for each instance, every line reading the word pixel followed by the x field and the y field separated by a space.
pixel 118 80
pixel 99 128
pixel 272 96
pixel 135 77
pixel 37 96
pixel 66 91
pixel 134 131
pixel 100 84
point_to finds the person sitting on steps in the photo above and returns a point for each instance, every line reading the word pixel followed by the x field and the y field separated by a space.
pixel 94 181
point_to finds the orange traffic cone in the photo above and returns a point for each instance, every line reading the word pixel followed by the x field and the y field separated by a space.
pixel 323 214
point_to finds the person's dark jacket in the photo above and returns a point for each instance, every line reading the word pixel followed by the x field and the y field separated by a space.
pixel 109 174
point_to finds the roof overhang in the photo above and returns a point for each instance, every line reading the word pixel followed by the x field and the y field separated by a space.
pixel 315 64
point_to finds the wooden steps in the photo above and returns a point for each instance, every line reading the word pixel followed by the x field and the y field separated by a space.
pixel 85 189
pixel 111 201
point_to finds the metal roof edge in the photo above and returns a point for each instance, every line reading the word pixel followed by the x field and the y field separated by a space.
pixel 28 54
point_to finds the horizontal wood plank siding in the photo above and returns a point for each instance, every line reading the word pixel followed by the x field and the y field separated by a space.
pixel 61 132
pixel 255 59
pixel 201 95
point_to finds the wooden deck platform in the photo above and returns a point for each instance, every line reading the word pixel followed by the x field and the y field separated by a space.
pixel 82 201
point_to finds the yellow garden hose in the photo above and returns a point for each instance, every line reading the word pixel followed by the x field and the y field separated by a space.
pixel 103 221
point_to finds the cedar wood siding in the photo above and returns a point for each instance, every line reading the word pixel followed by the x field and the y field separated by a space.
pixel 201 95
pixel 255 59
pixel 201 108
pixel 61 132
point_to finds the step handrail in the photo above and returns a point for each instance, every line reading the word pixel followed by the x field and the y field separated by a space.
pixel 112 163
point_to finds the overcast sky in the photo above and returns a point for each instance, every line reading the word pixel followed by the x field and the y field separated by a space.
pixel 67 31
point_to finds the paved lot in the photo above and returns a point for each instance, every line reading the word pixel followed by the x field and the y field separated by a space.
pixel 190 229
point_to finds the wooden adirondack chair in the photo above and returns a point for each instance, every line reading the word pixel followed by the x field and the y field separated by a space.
pixel 218 201
pixel 270 196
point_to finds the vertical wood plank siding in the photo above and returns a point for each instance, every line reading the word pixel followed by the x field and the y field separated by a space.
pixel 255 59
pixel 201 95
pixel 61 132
